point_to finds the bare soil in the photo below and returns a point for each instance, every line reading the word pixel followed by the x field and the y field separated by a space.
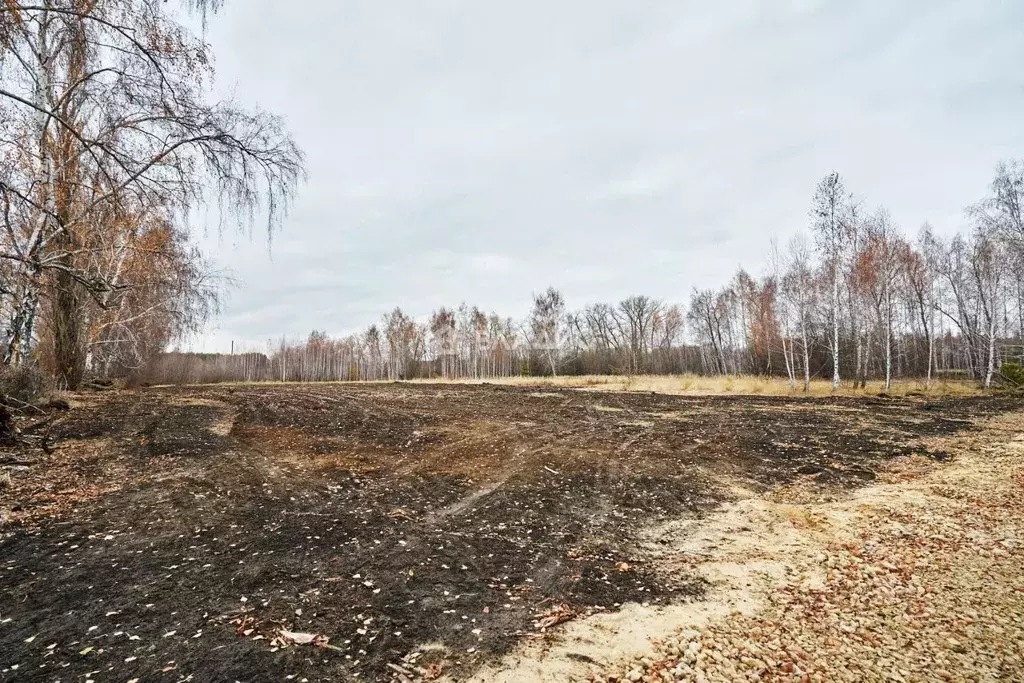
pixel 416 531
pixel 917 578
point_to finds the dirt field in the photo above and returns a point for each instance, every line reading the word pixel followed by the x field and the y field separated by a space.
pixel 415 531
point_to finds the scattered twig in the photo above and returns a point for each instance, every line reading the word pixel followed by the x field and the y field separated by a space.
pixel 19 405
pixel 16 461
pixel 554 616
pixel 404 673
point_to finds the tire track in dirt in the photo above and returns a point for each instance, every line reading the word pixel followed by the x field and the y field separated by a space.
pixel 291 510
pixel 759 547
pixel 437 517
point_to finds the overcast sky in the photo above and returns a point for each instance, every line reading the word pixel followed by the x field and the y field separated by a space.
pixel 479 151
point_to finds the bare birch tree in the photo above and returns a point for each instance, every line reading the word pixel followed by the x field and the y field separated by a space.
pixel 106 109
pixel 545 321
pixel 800 288
pixel 828 219
pixel 880 264
pixel 921 277
pixel 442 330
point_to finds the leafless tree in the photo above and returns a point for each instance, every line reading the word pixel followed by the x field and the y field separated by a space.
pixel 669 327
pixel 829 210
pixel 1002 212
pixel 400 334
pixel 173 291
pixel 800 288
pixel 988 268
pixel 880 265
pixel 920 271
pixel 545 321
pixel 105 110
pixel 442 329
pixel 706 320
pixel 635 317
pixel 784 312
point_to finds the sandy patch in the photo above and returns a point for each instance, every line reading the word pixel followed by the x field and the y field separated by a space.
pixel 766 557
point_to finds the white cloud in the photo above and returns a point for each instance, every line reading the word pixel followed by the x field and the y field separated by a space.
pixel 475 151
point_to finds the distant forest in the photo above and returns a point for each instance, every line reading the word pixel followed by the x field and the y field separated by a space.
pixel 854 299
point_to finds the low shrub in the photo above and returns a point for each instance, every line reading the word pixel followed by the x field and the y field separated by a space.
pixel 25 383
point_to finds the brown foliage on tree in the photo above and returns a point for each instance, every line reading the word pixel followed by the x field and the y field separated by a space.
pixel 110 138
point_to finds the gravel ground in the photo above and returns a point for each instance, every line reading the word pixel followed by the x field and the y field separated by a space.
pixel 924 583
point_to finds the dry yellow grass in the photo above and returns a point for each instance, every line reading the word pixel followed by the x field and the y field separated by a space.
pixel 697 385
pixel 692 385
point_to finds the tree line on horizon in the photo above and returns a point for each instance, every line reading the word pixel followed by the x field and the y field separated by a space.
pixel 852 299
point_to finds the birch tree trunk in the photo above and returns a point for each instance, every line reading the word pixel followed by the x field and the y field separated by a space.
pixel 835 331
pixel 807 355
pixel 888 343
pixel 991 351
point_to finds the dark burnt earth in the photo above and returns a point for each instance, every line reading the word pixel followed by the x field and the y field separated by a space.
pixel 177 531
